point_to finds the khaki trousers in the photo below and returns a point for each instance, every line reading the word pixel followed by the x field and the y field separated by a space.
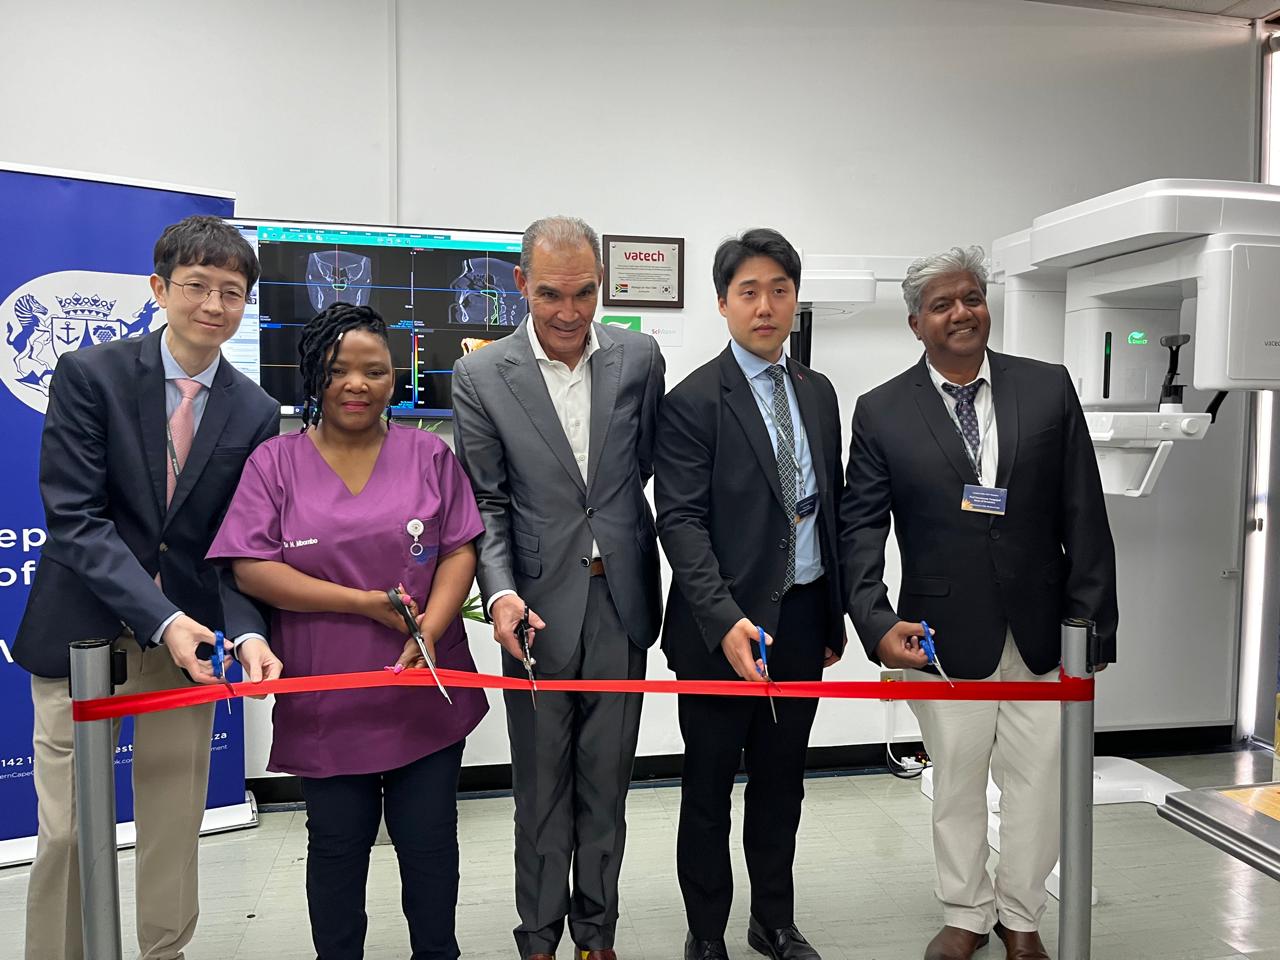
pixel 1020 744
pixel 170 783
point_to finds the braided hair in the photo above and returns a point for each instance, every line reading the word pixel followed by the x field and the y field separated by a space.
pixel 321 335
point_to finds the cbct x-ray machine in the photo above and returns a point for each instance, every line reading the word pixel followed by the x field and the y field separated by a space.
pixel 1126 289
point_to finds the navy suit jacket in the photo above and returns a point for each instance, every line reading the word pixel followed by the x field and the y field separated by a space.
pixel 974 576
pixel 720 510
pixel 102 480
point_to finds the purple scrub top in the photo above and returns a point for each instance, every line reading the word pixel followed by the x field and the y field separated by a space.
pixel 291 507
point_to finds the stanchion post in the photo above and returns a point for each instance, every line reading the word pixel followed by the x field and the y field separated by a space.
pixel 1076 877
pixel 94 745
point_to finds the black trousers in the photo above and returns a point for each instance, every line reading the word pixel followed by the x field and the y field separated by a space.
pixel 721 732
pixel 420 802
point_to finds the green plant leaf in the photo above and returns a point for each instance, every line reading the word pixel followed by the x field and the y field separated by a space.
pixel 473 609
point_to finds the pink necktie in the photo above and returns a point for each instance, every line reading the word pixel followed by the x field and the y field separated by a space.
pixel 182 428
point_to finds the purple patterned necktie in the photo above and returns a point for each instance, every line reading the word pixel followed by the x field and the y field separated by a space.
pixel 966 415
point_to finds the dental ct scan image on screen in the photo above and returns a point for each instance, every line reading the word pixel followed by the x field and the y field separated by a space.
pixel 442 292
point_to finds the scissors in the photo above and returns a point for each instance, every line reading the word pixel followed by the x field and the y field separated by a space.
pixel 926 644
pixel 522 634
pixel 400 607
pixel 218 661
pixel 764 657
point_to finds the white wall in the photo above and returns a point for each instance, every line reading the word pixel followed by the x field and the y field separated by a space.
pixel 855 126
pixel 284 102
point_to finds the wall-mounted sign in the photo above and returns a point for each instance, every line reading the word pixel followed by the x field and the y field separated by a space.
pixel 643 271
pixel 631 323
pixel 668 330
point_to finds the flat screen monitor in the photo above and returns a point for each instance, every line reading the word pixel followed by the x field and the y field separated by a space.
pixel 442 292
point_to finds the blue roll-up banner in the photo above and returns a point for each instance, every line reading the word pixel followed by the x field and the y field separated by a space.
pixel 75 255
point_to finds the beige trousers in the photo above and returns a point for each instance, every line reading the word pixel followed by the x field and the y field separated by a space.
pixel 1020 744
pixel 170 782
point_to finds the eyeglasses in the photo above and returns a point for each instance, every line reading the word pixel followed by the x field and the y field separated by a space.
pixel 198 292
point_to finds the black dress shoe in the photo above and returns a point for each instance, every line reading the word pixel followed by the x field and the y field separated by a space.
pixel 704 949
pixel 784 943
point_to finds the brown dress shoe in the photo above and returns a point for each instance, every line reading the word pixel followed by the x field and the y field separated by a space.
pixel 1021 944
pixel 955 943
pixel 540 956
pixel 606 954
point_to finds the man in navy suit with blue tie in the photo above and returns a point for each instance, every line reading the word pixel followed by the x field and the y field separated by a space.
pixel 747 482
pixel 143 444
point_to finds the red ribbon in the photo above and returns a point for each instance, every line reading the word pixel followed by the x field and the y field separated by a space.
pixel 1067 689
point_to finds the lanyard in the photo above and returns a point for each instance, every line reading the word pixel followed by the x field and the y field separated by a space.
pixel 173 453
pixel 168 437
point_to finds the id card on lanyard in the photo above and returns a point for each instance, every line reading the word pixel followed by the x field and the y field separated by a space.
pixel 976 497
pixel 805 506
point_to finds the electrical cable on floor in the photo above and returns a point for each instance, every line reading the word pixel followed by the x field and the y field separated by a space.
pixel 899 768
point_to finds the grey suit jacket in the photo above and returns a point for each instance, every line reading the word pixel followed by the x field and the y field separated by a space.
pixel 539 515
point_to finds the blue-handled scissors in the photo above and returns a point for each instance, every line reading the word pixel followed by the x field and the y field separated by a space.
pixel 218 662
pixel 930 651
pixel 764 659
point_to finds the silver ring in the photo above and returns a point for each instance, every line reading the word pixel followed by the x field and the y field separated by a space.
pixel 415 549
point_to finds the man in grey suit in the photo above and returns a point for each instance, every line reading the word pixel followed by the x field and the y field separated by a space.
pixel 554 426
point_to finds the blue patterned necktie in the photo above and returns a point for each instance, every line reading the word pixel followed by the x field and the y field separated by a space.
pixel 786 465
pixel 967 417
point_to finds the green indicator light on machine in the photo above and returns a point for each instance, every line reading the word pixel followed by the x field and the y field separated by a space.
pixel 1138 338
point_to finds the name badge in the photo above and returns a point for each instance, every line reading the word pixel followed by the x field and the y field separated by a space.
pixel 978 499
pixel 806 507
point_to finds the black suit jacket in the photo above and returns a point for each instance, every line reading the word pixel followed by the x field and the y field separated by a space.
pixel 102 479
pixel 720 514
pixel 973 575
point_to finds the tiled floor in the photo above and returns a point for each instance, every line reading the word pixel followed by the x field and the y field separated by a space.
pixel 864 882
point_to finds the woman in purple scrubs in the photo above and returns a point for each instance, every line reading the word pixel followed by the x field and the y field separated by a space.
pixel 323 523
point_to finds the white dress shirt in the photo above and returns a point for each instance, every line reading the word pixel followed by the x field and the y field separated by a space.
pixel 571 396
pixel 984 407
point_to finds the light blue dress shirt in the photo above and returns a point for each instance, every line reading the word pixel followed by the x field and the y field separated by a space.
pixel 808 550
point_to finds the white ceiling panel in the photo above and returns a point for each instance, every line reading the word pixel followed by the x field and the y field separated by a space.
pixel 1243 9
